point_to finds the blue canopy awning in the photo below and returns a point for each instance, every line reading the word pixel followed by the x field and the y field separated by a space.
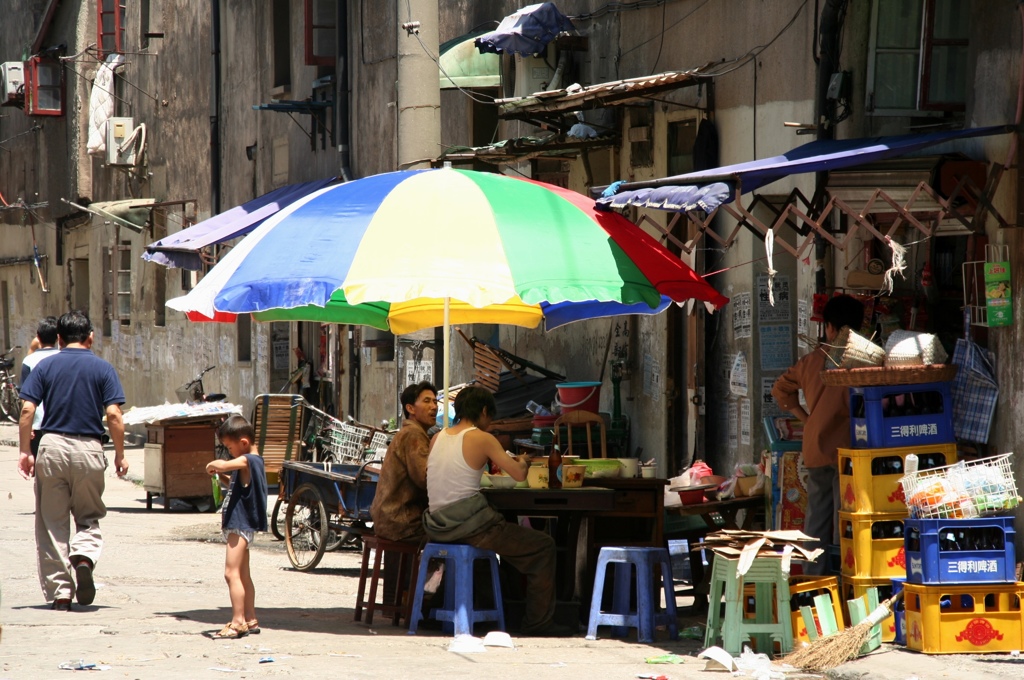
pixel 707 189
pixel 527 31
pixel 182 248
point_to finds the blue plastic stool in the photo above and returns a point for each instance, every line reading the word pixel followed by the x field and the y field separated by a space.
pixel 458 611
pixel 646 616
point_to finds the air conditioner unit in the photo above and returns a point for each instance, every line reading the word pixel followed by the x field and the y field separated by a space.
pixel 533 74
pixel 118 131
pixel 12 83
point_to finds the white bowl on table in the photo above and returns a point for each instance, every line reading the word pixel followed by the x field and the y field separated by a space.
pixel 500 481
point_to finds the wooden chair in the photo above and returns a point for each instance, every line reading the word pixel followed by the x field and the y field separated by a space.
pixel 277 421
pixel 578 418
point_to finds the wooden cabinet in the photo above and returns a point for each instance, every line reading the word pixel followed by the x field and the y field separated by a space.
pixel 176 458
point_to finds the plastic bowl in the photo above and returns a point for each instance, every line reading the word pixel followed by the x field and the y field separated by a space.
pixel 501 481
pixel 598 468
pixel 692 495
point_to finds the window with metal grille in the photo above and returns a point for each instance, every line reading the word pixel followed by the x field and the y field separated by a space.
pixel 917 56
pixel 123 302
pixel 109 27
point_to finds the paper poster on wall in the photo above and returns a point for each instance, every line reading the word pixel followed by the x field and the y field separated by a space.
pixel 418 371
pixel 652 378
pixel 766 313
pixel 280 354
pixel 801 324
pixel 741 315
pixel 745 422
pixel 738 380
pixel 997 294
pixel 776 347
pixel 768 405
pixel 733 427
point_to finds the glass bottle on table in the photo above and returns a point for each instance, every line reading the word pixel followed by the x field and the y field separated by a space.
pixel 555 469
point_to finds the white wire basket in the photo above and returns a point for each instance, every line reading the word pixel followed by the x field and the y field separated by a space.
pixel 348 443
pixel 964 490
pixel 379 443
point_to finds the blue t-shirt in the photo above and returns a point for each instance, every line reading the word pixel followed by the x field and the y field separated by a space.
pixel 76 386
pixel 245 507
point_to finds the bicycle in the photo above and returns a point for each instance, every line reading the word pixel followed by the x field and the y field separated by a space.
pixel 10 401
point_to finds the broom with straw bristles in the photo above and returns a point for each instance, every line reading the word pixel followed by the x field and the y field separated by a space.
pixel 828 652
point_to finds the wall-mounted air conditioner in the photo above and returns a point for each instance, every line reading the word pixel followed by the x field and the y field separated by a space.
pixel 12 83
pixel 118 132
pixel 533 74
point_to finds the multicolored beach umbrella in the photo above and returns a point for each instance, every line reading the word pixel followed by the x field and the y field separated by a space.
pixel 390 250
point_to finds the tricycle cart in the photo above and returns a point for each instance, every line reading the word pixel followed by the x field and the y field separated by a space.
pixel 324 498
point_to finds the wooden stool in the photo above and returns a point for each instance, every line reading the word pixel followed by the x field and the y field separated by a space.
pixel 408 563
pixel 771 624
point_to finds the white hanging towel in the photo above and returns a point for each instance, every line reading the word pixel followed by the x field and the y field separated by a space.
pixel 101 104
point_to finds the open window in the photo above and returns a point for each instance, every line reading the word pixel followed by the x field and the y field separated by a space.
pixel 44 87
pixel 109 26
pixel 321 35
pixel 917 56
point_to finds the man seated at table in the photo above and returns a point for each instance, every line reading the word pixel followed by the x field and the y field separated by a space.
pixel 458 512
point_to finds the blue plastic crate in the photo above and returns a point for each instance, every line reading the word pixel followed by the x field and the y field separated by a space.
pixel 899 613
pixel 889 416
pixel 944 551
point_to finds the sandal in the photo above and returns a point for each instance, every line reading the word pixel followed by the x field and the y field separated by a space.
pixel 253 626
pixel 231 631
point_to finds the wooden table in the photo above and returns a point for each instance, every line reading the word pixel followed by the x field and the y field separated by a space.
pixel 605 512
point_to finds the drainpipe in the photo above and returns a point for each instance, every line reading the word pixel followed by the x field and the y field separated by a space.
pixel 215 160
pixel 829 32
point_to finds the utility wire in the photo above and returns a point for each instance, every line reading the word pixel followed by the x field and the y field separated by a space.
pixel 479 99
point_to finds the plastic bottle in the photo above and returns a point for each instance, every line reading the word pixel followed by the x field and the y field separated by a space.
pixel 555 469
pixel 911 463
pixel 536 409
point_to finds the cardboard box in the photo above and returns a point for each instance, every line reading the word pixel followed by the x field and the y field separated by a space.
pixel 791 510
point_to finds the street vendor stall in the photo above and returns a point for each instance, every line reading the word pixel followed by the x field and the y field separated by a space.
pixel 180 441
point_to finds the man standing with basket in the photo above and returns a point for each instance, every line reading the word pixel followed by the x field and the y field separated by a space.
pixel 826 425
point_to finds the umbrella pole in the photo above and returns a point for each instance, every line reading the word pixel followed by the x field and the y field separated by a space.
pixel 447 359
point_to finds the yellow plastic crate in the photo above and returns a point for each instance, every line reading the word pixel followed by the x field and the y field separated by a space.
pixel 871 546
pixel 958 619
pixel 854 587
pixel 801 590
pixel 869 479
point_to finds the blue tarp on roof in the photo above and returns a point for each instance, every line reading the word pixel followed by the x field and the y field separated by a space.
pixel 707 189
pixel 182 248
pixel 528 31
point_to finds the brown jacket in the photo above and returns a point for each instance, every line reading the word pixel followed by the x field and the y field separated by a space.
pixel 401 496
pixel 828 423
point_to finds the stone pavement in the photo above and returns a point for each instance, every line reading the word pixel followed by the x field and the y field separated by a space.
pixel 160 586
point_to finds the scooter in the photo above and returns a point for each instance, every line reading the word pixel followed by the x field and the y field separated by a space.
pixel 193 392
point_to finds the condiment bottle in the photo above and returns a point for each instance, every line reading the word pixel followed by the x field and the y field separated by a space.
pixel 555 469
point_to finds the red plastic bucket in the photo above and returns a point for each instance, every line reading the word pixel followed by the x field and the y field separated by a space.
pixel 579 396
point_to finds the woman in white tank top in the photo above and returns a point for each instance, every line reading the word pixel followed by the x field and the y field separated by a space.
pixel 459 454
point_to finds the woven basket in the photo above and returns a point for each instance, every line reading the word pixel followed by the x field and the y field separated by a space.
pixel 908 348
pixel 861 352
pixel 888 375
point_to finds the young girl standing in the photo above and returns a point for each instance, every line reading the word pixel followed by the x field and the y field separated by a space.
pixel 244 512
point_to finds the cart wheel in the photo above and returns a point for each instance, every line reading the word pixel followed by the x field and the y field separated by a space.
pixel 305 528
pixel 335 535
pixel 276 523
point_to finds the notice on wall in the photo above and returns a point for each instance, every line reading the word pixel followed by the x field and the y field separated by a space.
pixel 652 378
pixel 733 427
pixel 738 376
pixel 802 324
pixel 779 312
pixel 768 405
pixel 741 315
pixel 745 422
pixel 776 347
pixel 418 371
pixel 997 294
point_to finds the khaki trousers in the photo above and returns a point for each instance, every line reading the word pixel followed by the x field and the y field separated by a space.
pixel 69 483
pixel 532 553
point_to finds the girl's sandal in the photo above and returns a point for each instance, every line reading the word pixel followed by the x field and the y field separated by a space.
pixel 231 631
pixel 253 626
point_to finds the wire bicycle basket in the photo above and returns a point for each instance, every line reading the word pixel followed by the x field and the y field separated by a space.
pixel 964 490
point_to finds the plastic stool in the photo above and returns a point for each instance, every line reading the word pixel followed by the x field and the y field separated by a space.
pixel 408 563
pixel 646 616
pixel 458 593
pixel 772 623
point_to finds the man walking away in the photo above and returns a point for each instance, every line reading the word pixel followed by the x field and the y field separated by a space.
pixel 46 337
pixel 78 388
